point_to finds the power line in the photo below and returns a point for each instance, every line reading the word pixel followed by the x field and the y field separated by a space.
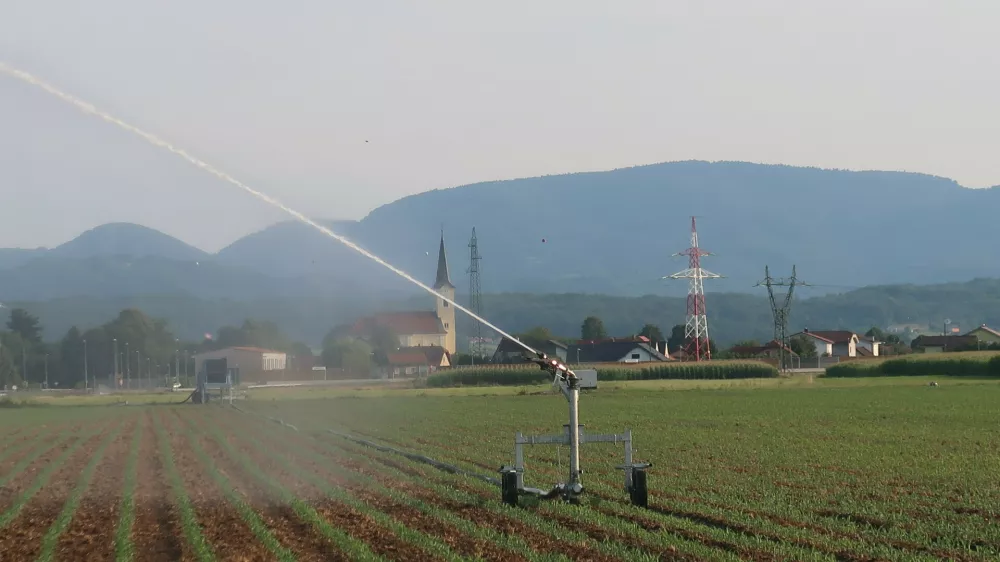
pixel 780 308
pixel 696 325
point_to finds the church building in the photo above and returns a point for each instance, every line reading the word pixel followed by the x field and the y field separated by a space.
pixel 420 328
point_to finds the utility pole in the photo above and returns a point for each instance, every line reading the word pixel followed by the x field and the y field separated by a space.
pixel 475 296
pixel 696 326
pixel 85 374
pixel 46 371
pixel 24 364
pixel 177 360
pixel 780 308
pixel 138 366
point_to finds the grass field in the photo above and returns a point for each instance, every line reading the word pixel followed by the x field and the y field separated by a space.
pixel 788 469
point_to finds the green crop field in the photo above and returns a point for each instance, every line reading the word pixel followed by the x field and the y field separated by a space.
pixel 797 468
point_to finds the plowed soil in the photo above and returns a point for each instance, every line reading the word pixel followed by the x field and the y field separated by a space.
pixel 295 487
pixel 91 533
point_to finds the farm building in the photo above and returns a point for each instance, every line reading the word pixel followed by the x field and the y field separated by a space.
pixel 417 361
pixel 986 335
pixel 254 363
pixel 942 344
pixel 617 350
pixel 510 352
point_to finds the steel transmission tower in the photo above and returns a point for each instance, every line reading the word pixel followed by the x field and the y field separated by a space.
pixel 780 309
pixel 696 326
pixel 475 295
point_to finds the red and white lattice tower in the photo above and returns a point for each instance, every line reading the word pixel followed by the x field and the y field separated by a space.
pixel 696 327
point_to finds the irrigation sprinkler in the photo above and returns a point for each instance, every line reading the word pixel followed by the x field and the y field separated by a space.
pixel 512 477
pixel 215 376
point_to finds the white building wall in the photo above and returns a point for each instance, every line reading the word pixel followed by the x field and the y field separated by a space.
pixel 273 361
pixel 423 340
pixel 638 354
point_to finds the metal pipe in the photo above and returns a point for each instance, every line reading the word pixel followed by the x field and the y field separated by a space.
pixel 574 432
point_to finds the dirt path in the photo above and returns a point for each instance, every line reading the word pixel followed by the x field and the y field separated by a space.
pixel 415 519
pixel 156 534
pixel 298 536
pixel 357 524
pixel 229 536
pixel 91 533
pixel 22 538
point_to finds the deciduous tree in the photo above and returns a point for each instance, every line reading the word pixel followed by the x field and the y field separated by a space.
pixel 593 329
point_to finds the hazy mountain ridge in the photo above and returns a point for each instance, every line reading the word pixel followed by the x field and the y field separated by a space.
pixel 127 239
pixel 613 232
pixel 593 232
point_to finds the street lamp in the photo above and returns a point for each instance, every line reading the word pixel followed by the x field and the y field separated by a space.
pixel 85 375
pixel 128 367
pixel 114 362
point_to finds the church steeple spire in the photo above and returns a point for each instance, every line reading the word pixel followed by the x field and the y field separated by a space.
pixel 443 278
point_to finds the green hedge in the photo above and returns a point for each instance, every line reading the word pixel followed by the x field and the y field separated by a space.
pixel 485 376
pixel 945 364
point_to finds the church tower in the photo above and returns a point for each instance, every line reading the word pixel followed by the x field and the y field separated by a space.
pixel 445 311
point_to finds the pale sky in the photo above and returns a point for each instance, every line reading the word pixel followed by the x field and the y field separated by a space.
pixel 284 95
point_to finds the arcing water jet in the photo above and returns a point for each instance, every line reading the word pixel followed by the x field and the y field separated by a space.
pixel 156 141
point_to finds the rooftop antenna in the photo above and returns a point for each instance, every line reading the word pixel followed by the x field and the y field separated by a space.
pixel 696 325
pixel 475 296
pixel 780 308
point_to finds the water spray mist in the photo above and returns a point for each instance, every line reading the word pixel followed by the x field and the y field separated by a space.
pixel 156 141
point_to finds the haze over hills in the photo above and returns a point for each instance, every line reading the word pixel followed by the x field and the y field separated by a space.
pixel 732 316
pixel 613 232
pixel 608 232
pixel 126 239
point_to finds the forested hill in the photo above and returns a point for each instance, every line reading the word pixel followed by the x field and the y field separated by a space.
pixel 613 232
pixel 732 316
pixel 604 232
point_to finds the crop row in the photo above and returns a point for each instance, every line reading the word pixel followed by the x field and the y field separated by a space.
pixel 970 364
pixel 715 370
pixel 829 520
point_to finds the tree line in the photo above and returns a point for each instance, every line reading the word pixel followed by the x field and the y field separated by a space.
pixel 133 345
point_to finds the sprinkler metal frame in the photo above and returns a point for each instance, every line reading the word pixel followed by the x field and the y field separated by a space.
pixel 512 477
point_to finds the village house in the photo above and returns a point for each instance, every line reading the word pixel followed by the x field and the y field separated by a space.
pixel 839 343
pixel 510 351
pixel 770 350
pixel 617 350
pixel 985 335
pixel 417 361
pixel 942 344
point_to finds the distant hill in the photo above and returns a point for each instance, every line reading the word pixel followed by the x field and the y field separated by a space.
pixel 15 257
pixel 125 239
pixel 609 233
pixel 613 232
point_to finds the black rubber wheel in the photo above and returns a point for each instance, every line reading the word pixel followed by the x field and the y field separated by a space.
pixel 508 488
pixel 639 492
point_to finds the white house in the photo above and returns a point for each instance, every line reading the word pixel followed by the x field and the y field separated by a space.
pixel 871 345
pixel 628 350
pixel 834 343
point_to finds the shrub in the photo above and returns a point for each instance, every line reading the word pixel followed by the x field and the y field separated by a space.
pixel 945 364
